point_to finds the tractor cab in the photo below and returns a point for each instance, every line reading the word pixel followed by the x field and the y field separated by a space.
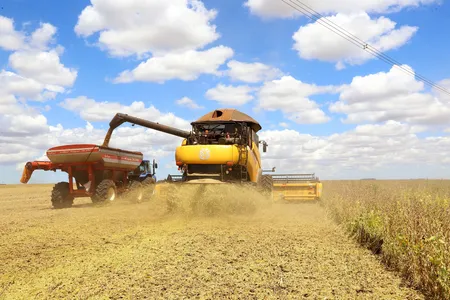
pixel 144 170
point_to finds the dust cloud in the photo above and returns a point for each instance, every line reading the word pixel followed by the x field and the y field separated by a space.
pixel 213 200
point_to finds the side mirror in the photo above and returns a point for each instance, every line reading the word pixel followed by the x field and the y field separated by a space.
pixel 265 145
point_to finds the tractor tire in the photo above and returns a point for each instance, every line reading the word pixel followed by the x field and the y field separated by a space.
pixel 106 191
pixel 136 193
pixel 149 185
pixel 266 185
pixel 148 181
pixel 61 197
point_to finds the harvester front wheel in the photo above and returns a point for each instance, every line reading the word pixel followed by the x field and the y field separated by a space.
pixel 106 191
pixel 61 197
pixel 266 185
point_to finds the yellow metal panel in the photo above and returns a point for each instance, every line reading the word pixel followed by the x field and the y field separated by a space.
pixel 297 191
pixel 207 154
pixel 253 163
pixel 220 154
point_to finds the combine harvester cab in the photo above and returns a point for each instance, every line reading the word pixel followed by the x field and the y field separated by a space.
pixel 296 188
pixel 98 172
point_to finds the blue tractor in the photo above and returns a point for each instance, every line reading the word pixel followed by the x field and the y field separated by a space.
pixel 145 173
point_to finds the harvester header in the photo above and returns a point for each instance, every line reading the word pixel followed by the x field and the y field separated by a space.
pixel 296 187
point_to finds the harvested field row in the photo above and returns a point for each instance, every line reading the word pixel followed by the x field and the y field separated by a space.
pixel 139 251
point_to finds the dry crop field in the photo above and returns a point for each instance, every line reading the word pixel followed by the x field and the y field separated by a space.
pixel 140 251
pixel 406 222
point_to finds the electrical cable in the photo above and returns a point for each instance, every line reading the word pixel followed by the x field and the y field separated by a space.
pixel 316 16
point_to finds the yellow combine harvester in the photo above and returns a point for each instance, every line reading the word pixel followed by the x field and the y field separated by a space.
pixel 222 147
pixel 296 187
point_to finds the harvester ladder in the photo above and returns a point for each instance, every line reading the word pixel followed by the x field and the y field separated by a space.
pixel 243 158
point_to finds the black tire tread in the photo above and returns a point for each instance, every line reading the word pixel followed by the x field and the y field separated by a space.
pixel 101 192
pixel 148 181
pixel 61 197
pixel 135 186
pixel 267 183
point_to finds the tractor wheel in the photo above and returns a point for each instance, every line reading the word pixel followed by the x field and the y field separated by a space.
pixel 106 191
pixel 266 185
pixel 61 197
pixel 149 185
pixel 148 181
pixel 136 193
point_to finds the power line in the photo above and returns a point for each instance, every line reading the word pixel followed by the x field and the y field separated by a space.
pixel 355 40
pixel 316 16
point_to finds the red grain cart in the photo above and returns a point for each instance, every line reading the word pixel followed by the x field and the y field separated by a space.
pixel 99 172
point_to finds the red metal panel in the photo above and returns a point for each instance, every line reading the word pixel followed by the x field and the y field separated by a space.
pixel 70 180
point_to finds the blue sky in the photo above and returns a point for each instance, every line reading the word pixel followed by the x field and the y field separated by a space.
pixel 256 56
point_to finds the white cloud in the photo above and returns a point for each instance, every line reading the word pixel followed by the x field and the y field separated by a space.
pixel 379 33
pixel 43 36
pixel 44 67
pixel 363 151
pixel 17 149
pixel 187 102
pixel 185 66
pixel 393 95
pixel 23 128
pixel 291 96
pixel 284 124
pixel 230 95
pixel 279 9
pixel 148 26
pixel 25 134
pixel 38 72
pixel 21 121
pixel 93 111
pixel 252 72
pixel 14 85
pixel 10 39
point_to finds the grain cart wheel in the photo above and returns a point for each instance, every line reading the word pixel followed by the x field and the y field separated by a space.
pixel 266 185
pixel 136 193
pixel 61 197
pixel 106 191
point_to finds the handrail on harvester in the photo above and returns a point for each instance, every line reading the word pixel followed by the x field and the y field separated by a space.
pixel 294 177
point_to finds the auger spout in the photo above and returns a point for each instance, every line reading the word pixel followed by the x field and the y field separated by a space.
pixel 120 118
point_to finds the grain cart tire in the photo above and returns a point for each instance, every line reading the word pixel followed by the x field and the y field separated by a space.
pixel 106 191
pixel 136 193
pixel 61 197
